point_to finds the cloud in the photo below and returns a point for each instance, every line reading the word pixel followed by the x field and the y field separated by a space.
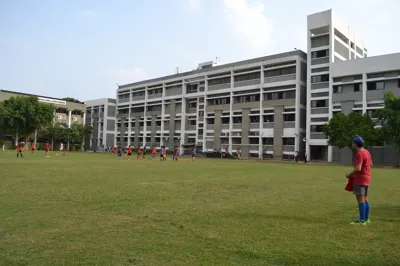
pixel 88 13
pixel 193 4
pixel 249 23
pixel 126 75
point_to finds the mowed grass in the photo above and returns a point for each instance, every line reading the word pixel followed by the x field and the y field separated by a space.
pixel 93 209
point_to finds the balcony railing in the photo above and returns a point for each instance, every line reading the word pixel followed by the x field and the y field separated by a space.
pixel 317 135
pixel 318 61
pixel 138 98
pixel 321 85
pixel 153 96
pixel 288 148
pixel 123 100
pixel 322 110
pixel 219 87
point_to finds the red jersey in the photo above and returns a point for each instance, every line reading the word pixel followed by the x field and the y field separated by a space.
pixel 112 148
pixel 47 146
pixel 33 145
pixel 363 178
pixel 139 151
pixel 154 151
pixel 19 147
pixel 129 150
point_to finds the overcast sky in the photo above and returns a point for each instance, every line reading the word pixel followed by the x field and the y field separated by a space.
pixel 81 49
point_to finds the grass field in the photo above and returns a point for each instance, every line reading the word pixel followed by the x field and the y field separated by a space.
pixel 90 209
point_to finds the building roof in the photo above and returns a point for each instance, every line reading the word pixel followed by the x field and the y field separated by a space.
pixel 28 94
pixel 197 71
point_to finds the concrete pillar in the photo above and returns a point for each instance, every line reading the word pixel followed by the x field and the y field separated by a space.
pixel 245 132
pixel 278 132
pixel 69 118
pixel 35 139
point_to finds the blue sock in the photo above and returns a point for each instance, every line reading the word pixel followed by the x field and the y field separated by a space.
pixel 361 208
pixel 366 210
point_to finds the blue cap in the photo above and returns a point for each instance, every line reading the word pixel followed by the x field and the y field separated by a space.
pixel 358 140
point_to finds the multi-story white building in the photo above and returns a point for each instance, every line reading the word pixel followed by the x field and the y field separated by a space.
pixel 101 115
pixel 329 41
pixel 257 105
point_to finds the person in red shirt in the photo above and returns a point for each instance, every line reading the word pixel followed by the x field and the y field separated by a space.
pixel 112 150
pixel 139 153
pixel 33 147
pixel 129 152
pixel 361 179
pixel 19 150
pixel 154 152
pixel 47 147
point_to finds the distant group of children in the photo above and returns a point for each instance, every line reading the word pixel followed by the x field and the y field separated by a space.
pixel 20 149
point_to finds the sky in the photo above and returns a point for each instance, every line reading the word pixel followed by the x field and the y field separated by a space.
pixel 82 49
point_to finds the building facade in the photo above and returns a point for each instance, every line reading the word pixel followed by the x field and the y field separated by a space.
pixel 101 115
pixel 359 86
pixel 329 41
pixel 67 113
pixel 257 105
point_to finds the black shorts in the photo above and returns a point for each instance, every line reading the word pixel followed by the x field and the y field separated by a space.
pixel 161 156
pixel 33 149
pixel 360 190
pixel 20 151
pixel 193 155
pixel 129 154
pixel 47 150
pixel 119 154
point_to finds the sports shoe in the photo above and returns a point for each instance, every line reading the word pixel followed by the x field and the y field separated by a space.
pixel 368 221
pixel 358 222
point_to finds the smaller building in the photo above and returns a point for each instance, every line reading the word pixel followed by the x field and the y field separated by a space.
pixel 67 112
pixel 359 86
pixel 101 115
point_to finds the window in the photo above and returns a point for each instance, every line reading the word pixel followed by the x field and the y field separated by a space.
pixel 237 120
pixel 319 103
pixel 219 101
pixel 225 80
pixel 247 98
pixel 268 141
pixel 288 141
pixel 352 45
pixel 254 119
pixel 337 79
pixel 280 72
pixel 338 89
pixel 200 132
pixel 319 54
pixel 268 118
pixel 201 113
pixel 225 120
pixel 357 77
pixel 289 117
pixel 192 122
pixel 317 128
pixel 379 85
pixel 320 78
pixel 289 94
pixel 254 141
pixel 248 76
pixel 193 105
pixel 357 87
pixel 375 75
pixel 210 121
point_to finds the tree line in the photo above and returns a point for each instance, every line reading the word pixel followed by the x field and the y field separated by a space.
pixel 341 128
pixel 26 116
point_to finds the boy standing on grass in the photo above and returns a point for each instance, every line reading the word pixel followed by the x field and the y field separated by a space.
pixel 113 150
pixel 193 155
pixel 119 151
pixel 33 147
pixel 62 152
pixel 129 152
pixel 239 154
pixel 165 154
pixel 162 153
pixel 361 177
pixel 19 150
pixel 139 153
pixel 154 152
pixel 144 152
pixel 47 147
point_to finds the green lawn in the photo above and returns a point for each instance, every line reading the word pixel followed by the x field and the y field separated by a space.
pixel 91 209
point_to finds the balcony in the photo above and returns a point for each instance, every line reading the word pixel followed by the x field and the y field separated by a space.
pixel 268 148
pixel 210 126
pixel 318 61
pixel 280 78
pixel 158 128
pixel 289 125
pixel 191 110
pixel 237 126
pixel 123 100
pixel 246 83
pixel 254 126
pixel 138 98
pixel 225 126
pixel 268 125
pixel 288 148
pixel 317 135
pixel 322 110
pixel 153 96
pixel 321 85
pixel 189 127
pixel 219 87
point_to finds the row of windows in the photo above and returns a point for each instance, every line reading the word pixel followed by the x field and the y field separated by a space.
pixel 246 98
pixel 219 101
pixel 253 119
pixel 219 81
pixel 280 95
pixel 249 76
pixel 156 91
pixel 255 141
pixel 319 54
pixel 339 88
pixel 280 72
pixel 320 78
pixel 319 103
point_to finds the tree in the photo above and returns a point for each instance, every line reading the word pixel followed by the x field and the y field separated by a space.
pixel 70 99
pixel 390 119
pixel 341 130
pixel 25 115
